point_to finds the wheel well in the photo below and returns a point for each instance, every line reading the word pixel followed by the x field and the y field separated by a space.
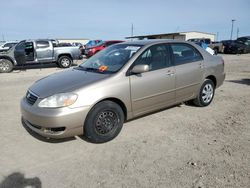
pixel 8 58
pixel 68 55
pixel 211 77
pixel 119 102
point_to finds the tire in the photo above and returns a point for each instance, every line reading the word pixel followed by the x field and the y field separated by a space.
pixel 206 94
pixel 216 51
pixel 64 62
pixel 6 66
pixel 104 122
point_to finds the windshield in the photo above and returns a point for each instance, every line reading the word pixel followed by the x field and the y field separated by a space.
pixel 111 59
pixel 92 43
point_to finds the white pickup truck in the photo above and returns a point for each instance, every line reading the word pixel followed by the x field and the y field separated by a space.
pixel 29 52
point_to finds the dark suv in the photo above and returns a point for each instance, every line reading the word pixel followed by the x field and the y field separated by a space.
pixel 239 46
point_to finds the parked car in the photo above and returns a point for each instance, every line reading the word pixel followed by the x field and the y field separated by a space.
pixel 100 46
pixel 205 47
pixel 90 44
pixel 121 82
pixel 239 46
pixel 7 45
pixel 216 46
pixel 38 51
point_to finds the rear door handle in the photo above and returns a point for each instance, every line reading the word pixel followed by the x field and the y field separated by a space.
pixel 201 65
pixel 170 73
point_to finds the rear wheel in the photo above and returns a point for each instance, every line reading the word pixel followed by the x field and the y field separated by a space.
pixel 5 66
pixel 104 122
pixel 206 94
pixel 64 62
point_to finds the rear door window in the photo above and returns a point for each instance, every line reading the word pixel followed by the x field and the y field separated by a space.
pixel 185 53
pixel 42 44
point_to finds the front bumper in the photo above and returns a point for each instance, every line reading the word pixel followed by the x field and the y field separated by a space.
pixel 54 123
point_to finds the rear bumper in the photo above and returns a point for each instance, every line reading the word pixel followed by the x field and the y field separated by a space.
pixel 54 123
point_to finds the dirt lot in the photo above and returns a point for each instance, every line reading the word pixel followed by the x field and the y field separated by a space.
pixel 183 146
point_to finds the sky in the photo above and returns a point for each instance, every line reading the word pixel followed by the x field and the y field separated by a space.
pixel 112 19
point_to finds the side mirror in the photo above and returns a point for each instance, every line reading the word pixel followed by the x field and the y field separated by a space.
pixel 140 69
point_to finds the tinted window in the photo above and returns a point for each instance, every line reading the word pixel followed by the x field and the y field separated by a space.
pixel 20 46
pixel 157 57
pixel 109 43
pixel 247 42
pixel 42 44
pixel 29 46
pixel 184 53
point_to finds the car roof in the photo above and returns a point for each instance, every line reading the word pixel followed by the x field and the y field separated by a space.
pixel 152 41
pixel 248 37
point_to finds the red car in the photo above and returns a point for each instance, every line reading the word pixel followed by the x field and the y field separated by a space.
pixel 94 49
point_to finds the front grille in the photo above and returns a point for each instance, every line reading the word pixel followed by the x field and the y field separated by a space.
pixel 31 98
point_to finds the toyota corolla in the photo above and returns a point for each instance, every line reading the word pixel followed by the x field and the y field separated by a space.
pixel 120 83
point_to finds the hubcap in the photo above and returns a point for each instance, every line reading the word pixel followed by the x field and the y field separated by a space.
pixel 65 62
pixel 4 66
pixel 207 93
pixel 106 121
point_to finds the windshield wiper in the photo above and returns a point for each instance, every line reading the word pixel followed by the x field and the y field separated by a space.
pixel 89 69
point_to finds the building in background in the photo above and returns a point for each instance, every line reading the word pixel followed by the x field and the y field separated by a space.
pixel 71 41
pixel 179 36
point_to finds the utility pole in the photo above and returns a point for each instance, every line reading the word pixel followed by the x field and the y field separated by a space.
pixel 232 29
pixel 217 36
pixel 238 30
pixel 132 31
pixel 3 37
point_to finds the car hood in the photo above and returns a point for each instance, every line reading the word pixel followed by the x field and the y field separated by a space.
pixel 65 81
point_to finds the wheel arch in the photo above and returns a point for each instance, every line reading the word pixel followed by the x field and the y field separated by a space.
pixel 8 58
pixel 117 101
pixel 64 54
pixel 213 79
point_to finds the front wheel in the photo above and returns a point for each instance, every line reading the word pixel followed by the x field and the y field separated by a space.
pixel 206 94
pixel 104 122
pixel 5 66
pixel 64 62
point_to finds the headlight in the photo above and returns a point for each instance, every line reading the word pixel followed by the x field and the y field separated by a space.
pixel 58 100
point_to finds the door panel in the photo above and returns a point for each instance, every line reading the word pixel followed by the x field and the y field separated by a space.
pixel 152 90
pixel 44 51
pixel 188 80
pixel 19 53
pixel 189 70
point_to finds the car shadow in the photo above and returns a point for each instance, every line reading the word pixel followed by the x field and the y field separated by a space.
pixel 44 139
pixel 22 68
pixel 244 81
pixel 18 180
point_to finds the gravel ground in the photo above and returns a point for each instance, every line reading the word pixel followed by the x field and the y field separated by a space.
pixel 183 146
